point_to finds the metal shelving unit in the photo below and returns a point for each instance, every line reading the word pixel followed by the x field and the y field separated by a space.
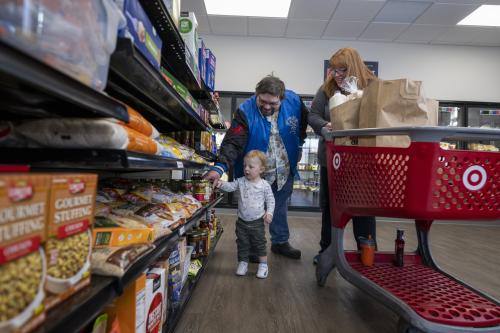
pixel 78 311
pixel 174 51
pixel 176 313
pixel 135 81
pixel 91 159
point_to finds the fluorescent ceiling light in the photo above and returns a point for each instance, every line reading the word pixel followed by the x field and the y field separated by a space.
pixel 262 8
pixel 486 15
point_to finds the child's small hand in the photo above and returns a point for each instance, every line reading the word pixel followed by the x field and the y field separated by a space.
pixel 268 218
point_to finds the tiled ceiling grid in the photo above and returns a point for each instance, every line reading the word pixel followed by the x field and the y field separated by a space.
pixel 399 21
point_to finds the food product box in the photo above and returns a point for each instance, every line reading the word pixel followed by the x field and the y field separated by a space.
pixel 188 27
pixel 155 297
pixel 107 234
pixel 174 9
pixel 142 32
pixel 130 308
pixel 69 237
pixel 201 59
pixel 23 217
pixel 163 262
pixel 179 87
pixel 210 68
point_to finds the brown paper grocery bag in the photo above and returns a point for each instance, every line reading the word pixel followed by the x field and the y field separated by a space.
pixel 394 103
pixel 344 117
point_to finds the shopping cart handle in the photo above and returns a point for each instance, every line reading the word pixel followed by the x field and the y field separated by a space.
pixel 420 134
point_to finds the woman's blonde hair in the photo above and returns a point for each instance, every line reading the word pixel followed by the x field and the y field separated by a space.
pixel 258 154
pixel 349 59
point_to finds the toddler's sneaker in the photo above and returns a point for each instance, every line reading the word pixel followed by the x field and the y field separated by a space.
pixel 242 268
pixel 262 271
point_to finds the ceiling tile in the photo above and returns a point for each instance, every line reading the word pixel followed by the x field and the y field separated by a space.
pixel 487 36
pixel 383 31
pixel 228 25
pixel 422 33
pixel 344 29
pixel 312 9
pixel 401 12
pixel 196 6
pixel 471 36
pixel 203 26
pixel 305 28
pixel 260 26
pixel 457 35
pixel 445 14
pixel 357 10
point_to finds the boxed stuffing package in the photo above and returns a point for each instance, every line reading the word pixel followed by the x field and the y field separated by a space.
pixel 23 217
pixel 163 262
pixel 130 308
pixel 142 32
pixel 155 298
pixel 210 69
pixel 69 238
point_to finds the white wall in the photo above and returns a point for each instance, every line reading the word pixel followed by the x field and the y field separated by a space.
pixel 459 73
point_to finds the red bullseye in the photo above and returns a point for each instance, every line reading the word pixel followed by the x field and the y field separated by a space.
pixel 474 178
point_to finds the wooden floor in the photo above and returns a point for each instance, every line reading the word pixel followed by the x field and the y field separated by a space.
pixel 289 300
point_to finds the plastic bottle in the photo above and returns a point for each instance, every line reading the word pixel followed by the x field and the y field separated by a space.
pixel 399 249
pixel 367 250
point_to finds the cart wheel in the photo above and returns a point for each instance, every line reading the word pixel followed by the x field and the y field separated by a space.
pixel 320 277
pixel 405 327
pixel 324 267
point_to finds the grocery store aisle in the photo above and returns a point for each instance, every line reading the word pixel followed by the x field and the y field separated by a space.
pixel 290 301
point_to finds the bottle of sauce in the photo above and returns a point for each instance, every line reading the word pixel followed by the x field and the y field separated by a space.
pixel 399 249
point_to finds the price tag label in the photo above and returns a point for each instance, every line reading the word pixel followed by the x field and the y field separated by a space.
pixel 182 231
pixel 180 165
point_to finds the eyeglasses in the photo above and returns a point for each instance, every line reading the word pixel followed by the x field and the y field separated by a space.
pixel 271 104
pixel 339 71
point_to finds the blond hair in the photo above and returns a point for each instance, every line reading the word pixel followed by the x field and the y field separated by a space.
pixel 257 154
pixel 349 59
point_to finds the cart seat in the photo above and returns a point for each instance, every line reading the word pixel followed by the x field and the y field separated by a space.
pixel 432 295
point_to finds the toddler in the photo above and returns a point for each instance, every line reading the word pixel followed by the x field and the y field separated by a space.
pixel 254 192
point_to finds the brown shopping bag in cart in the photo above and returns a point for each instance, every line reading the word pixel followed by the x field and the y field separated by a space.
pixel 344 117
pixel 394 103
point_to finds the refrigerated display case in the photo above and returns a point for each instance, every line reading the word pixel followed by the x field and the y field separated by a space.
pixel 484 117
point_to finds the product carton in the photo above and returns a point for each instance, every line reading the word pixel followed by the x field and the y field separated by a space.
pixel 23 219
pixel 130 308
pixel 108 234
pixel 210 68
pixel 174 9
pixel 163 262
pixel 188 27
pixel 202 65
pixel 69 237
pixel 142 32
pixel 155 298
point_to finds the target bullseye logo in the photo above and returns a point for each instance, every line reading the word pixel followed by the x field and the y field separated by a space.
pixel 336 161
pixel 474 178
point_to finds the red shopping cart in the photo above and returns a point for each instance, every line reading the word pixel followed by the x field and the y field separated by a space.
pixel 421 182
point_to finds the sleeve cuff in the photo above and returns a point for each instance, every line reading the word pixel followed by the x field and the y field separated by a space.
pixel 219 167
